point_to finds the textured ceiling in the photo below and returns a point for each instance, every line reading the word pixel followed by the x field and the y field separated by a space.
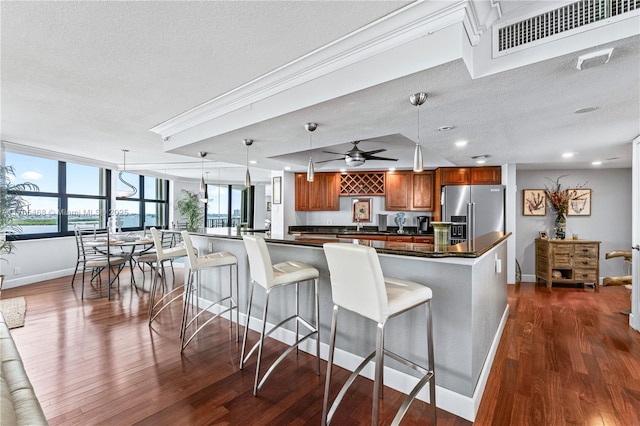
pixel 90 78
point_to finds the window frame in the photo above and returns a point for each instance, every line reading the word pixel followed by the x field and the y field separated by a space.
pixel 108 198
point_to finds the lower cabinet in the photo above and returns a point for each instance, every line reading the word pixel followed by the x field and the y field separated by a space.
pixel 567 261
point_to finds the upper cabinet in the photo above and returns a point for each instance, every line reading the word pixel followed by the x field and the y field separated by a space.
pixel 470 175
pixel 407 190
pixel 486 176
pixel 321 194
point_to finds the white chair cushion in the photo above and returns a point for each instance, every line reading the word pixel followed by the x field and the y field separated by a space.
pixel 292 272
pixel 213 260
pixel 403 294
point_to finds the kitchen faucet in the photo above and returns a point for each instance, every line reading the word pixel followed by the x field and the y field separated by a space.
pixel 358 223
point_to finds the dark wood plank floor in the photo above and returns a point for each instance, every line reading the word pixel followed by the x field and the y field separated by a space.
pixel 567 357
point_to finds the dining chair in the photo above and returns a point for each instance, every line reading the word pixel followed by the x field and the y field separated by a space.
pixel 271 277
pixel 79 254
pixel 198 264
pixel 359 286
pixel 95 249
pixel 163 255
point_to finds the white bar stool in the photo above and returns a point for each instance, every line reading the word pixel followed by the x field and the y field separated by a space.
pixel 162 255
pixel 358 285
pixel 270 276
pixel 198 264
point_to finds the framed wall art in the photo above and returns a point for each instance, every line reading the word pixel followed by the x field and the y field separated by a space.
pixel 276 190
pixel 580 204
pixel 534 202
pixel 361 209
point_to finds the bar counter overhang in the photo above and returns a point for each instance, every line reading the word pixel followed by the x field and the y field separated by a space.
pixel 469 308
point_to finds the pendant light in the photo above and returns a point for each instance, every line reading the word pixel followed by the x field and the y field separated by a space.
pixel 132 189
pixel 416 100
pixel 247 177
pixel 203 185
pixel 310 169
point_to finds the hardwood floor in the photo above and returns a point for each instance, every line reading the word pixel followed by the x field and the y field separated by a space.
pixel 567 356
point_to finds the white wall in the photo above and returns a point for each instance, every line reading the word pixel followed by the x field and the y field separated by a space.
pixel 610 220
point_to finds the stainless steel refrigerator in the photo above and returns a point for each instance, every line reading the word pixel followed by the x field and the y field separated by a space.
pixel 475 210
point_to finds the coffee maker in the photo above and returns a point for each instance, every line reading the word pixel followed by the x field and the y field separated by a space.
pixel 423 224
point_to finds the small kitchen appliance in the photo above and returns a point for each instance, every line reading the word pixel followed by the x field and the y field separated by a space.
pixel 423 224
pixel 382 222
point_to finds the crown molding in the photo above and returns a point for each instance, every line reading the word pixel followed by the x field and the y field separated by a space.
pixel 410 23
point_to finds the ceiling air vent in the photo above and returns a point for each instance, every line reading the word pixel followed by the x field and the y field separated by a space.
pixel 560 20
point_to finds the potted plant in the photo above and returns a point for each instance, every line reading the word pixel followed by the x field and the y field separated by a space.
pixel 190 208
pixel 11 205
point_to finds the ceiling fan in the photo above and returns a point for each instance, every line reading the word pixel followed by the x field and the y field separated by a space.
pixel 356 157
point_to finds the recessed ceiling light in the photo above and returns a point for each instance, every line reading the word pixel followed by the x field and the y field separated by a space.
pixel 460 144
pixel 253 162
pixel 567 155
pixel 585 109
pixel 287 167
pixel 445 128
pixel 392 169
pixel 343 170
pixel 596 163
pixel 481 161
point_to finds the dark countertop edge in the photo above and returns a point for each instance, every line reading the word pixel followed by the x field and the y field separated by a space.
pixel 485 242
pixel 351 230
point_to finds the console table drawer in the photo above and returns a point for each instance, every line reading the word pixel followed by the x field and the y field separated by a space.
pixel 589 251
pixel 588 275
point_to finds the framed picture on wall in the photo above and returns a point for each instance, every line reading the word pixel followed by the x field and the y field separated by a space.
pixel 361 209
pixel 276 190
pixel 534 202
pixel 580 204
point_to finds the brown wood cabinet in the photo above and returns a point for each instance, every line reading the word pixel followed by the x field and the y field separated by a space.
pixel 567 261
pixel 408 190
pixel 454 176
pixel 321 194
pixel 486 175
pixel 490 175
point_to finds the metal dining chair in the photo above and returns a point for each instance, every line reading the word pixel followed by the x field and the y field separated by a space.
pixel 95 249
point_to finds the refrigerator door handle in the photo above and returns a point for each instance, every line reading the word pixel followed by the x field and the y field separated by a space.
pixel 442 197
pixel 471 221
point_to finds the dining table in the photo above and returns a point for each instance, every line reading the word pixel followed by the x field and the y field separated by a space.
pixel 127 244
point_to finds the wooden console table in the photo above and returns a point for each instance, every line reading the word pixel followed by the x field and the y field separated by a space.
pixel 568 261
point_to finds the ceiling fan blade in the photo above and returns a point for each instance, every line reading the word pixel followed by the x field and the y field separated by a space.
pixel 381 158
pixel 335 153
pixel 375 151
pixel 326 161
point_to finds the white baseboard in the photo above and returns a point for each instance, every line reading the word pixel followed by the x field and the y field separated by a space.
pixel 448 400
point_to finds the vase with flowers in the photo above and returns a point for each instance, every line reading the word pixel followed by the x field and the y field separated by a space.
pixel 559 199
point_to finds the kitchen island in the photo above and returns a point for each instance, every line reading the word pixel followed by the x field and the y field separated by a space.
pixel 469 307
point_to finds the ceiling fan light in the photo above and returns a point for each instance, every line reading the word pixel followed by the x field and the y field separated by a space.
pixel 310 171
pixel 354 160
pixel 418 165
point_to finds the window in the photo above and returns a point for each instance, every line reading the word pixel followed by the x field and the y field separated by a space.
pixel 70 194
pixel 228 206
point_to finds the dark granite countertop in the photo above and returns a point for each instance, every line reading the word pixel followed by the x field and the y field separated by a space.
pixel 352 230
pixel 469 249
